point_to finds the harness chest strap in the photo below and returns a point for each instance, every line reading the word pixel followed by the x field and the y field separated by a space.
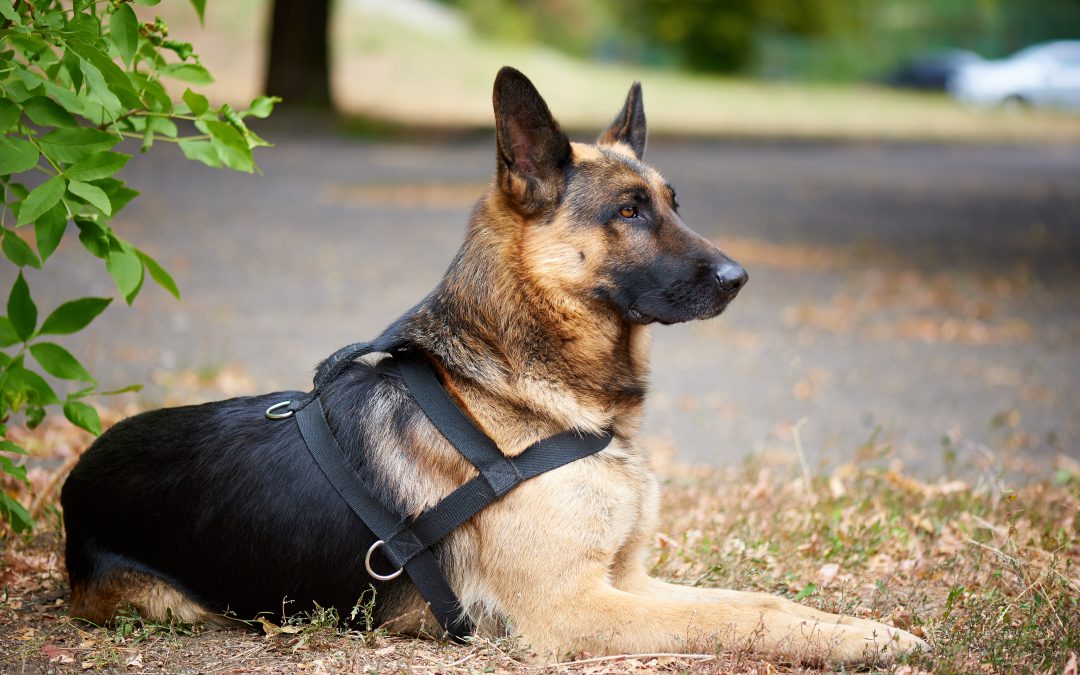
pixel 408 542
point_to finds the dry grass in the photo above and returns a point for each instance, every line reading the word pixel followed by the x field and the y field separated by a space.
pixel 988 573
pixel 436 78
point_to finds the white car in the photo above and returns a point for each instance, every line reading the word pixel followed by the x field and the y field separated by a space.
pixel 1043 75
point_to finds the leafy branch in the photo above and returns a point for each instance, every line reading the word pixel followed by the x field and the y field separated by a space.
pixel 75 81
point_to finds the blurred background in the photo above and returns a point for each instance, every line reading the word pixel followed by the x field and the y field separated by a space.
pixel 904 193
pixel 733 67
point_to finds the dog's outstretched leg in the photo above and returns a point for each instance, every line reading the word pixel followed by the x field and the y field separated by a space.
pixel 588 590
pixel 605 620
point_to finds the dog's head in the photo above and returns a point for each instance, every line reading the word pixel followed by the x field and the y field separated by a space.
pixel 598 224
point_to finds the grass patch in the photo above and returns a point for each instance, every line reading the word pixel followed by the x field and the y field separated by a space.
pixel 987 572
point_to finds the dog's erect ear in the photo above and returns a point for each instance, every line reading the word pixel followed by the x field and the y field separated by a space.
pixel 629 124
pixel 533 152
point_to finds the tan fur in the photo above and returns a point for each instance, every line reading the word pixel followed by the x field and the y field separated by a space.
pixel 147 595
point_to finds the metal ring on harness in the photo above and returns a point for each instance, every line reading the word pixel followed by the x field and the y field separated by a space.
pixel 373 573
pixel 271 414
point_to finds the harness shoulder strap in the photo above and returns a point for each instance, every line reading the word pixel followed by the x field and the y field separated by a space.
pixel 498 473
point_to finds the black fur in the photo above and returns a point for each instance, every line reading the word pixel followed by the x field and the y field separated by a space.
pixel 228 506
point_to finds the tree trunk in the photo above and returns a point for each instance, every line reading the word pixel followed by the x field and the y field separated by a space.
pixel 299 69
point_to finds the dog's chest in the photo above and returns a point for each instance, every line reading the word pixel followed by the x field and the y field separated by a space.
pixel 604 500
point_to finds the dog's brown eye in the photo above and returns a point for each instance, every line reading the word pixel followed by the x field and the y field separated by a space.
pixel 628 212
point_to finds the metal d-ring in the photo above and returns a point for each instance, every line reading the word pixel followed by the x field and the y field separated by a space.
pixel 373 573
pixel 272 415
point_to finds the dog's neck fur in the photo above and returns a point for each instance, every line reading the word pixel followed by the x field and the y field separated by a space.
pixel 559 365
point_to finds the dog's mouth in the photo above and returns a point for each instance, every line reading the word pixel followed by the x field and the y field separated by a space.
pixel 637 315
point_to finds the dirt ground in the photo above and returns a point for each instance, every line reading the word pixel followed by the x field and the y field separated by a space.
pixel 925 295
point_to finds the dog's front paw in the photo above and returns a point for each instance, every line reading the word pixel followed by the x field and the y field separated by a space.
pixel 877 643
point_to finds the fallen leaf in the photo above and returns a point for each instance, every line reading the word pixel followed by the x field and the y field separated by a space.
pixel 56 654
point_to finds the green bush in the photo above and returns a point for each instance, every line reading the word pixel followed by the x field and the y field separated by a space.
pixel 76 79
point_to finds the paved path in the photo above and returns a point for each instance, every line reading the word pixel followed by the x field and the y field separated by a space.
pixel 917 290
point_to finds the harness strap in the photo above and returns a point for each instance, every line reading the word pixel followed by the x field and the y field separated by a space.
pixel 337 362
pixel 422 568
pixel 408 542
pixel 459 506
pixel 499 472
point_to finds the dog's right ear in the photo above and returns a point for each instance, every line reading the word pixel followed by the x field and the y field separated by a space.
pixel 533 152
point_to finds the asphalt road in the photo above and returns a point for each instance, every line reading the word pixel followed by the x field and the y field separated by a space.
pixel 900 293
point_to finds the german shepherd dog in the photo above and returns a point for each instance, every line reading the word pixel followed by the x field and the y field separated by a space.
pixel 540 325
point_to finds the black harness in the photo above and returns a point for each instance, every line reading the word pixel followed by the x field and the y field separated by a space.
pixel 407 542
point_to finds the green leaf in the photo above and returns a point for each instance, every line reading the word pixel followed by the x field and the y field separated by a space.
pixel 28 380
pixel 806 592
pixel 49 229
pixel 73 316
pixel 231 146
pixel 71 65
pixel 119 193
pixel 147 3
pixel 41 199
pixel 18 251
pixel 99 91
pixel 200 8
pixel 73 145
pixel 197 103
pixel 202 151
pixel 158 274
pixel 118 81
pixel 18 189
pixel 100 165
pixel 127 271
pixel 8 336
pixel 124 32
pixel 11 510
pixel 17 155
pixel 93 237
pixel 12 447
pixel 9 467
pixel 58 362
pixel 83 416
pixel 9 114
pixel 48 113
pixel 7 10
pixel 187 72
pixel 262 106
pixel 21 309
pixel 92 194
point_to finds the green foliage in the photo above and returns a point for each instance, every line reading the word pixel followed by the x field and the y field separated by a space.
pixel 76 79
pixel 790 39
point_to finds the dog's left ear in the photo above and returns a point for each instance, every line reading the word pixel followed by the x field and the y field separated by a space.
pixel 533 152
pixel 629 124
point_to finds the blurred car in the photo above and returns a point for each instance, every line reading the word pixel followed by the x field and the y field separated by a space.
pixel 1042 75
pixel 932 70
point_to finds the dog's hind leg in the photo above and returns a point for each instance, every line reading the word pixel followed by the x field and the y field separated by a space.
pixel 100 600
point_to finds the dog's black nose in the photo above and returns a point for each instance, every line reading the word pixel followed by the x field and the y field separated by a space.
pixel 731 276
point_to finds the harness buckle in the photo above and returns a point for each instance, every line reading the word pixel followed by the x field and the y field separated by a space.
pixel 373 573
